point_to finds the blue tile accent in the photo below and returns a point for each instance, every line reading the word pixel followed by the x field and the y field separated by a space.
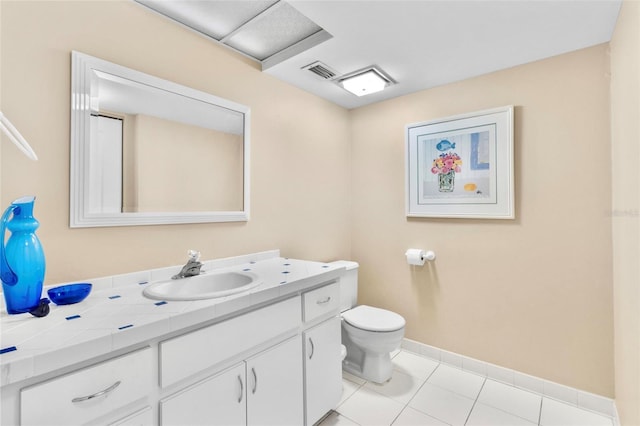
pixel 287 264
pixel 115 296
pixel 325 266
pixel 283 282
pixel 286 272
pixel 8 349
pixel 160 303
pixel 143 282
pixel 246 269
pixel 72 317
pixel 125 326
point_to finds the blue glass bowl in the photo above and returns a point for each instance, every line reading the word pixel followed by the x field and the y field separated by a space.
pixel 69 294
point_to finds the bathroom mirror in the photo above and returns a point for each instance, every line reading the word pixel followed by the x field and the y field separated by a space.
pixel 147 151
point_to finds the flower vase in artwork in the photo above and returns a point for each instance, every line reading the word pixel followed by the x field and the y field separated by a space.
pixel 446 181
pixel 446 165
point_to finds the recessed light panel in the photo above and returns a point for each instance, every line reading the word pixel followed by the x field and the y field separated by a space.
pixel 278 28
pixel 217 19
pixel 263 29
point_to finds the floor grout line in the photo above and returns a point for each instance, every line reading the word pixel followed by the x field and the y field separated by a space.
pixel 540 411
pixel 475 401
pixel 424 382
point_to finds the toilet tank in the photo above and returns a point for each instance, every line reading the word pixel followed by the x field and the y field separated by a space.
pixel 348 284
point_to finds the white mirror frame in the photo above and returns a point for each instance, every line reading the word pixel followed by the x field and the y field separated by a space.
pixel 82 66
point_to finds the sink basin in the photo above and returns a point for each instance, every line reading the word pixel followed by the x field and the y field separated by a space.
pixel 205 286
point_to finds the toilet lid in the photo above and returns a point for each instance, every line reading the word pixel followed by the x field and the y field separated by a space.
pixel 373 319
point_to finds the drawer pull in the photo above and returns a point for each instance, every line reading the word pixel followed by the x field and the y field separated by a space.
pixel 255 380
pixel 97 394
pixel 323 301
pixel 313 348
pixel 241 389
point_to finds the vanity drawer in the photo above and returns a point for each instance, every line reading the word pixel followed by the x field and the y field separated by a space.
pixel 191 353
pixel 321 302
pixel 86 394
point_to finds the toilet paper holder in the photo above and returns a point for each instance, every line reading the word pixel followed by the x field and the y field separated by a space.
pixel 419 256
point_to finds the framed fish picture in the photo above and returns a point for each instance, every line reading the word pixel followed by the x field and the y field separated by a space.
pixel 462 166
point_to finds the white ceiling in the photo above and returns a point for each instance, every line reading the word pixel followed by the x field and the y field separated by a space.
pixel 418 43
pixel 427 43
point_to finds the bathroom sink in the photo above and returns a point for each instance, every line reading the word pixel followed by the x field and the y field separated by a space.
pixel 204 286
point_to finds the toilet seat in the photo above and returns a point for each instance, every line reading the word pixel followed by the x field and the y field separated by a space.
pixel 373 319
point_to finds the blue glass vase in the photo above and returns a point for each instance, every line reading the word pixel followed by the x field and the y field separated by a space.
pixel 22 264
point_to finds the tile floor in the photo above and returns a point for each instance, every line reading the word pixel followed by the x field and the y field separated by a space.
pixel 425 392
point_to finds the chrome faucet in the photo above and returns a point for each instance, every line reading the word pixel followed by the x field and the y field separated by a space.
pixel 192 268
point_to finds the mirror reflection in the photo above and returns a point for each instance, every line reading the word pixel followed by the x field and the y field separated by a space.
pixel 154 148
pixel 150 148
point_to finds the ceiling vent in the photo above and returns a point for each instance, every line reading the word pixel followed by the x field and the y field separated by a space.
pixel 321 70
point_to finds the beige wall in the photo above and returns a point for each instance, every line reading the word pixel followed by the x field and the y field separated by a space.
pixel 625 135
pixel 300 143
pixel 534 293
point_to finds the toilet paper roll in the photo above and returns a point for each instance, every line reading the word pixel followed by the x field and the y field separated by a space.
pixel 415 257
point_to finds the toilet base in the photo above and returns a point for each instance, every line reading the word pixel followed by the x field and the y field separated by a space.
pixel 369 353
pixel 375 368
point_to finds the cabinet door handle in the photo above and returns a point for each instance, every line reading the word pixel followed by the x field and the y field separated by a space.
pixel 97 394
pixel 313 348
pixel 241 389
pixel 255 380
pixel 323 301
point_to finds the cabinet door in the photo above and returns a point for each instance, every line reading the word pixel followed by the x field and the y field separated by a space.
pixel 218 400
pixel 323 369
pixel 274 386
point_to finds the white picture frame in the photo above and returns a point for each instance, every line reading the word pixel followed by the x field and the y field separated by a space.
pixel 461 166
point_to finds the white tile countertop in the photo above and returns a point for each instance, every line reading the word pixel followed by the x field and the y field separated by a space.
pixel 116 315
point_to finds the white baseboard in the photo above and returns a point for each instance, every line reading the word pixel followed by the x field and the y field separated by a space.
pixel 616 418
pixel 569 395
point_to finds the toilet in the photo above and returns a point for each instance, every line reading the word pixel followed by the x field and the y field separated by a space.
pixel 369 334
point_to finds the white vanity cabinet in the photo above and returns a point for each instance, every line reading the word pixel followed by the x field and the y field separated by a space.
pixel 322 365
pixel 266 389
pixel 294 382
pixel 273 361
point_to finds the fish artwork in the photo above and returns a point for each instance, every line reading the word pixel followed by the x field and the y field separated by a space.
pixel 444 145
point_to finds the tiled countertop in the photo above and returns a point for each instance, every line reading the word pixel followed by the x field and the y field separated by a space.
pixel 116 315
